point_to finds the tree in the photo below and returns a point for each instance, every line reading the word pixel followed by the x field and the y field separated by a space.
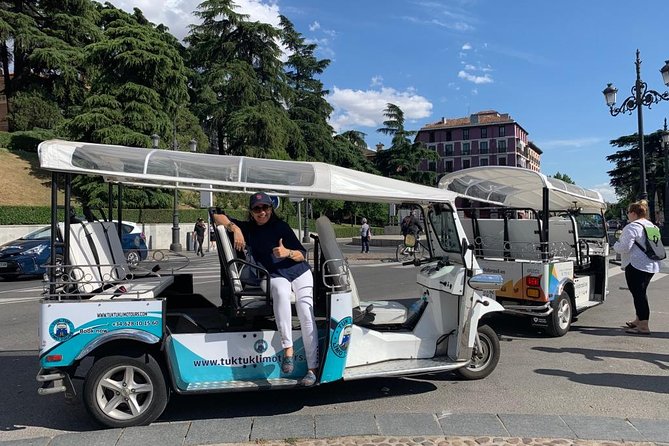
pixel 138 86
pixel 564 177
pixel 349 152
pixel 402 158
pixel 305 101
pixel 240 81
pixel 43 41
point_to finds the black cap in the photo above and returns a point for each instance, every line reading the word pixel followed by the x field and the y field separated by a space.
pixel 260 198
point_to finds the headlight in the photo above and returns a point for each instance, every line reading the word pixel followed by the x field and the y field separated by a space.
pixel 37 250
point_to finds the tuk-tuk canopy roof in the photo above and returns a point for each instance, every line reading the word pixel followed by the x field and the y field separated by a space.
pixel 222 173
pixel 517 187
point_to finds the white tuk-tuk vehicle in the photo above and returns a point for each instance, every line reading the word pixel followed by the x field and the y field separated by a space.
pixel 150 335
pixel 547 238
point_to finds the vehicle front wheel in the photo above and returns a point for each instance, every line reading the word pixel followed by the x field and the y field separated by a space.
pixel 560 319
pixel 122 391
pixel 485 355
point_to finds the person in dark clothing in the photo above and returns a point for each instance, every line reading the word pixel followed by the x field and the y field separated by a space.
pixel 275 246
pixel 199 231
pixel 365 235
pixel 410 228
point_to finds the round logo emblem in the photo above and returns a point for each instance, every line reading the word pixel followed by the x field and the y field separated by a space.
pixel 61 329
pixel 260 346
pixel 341 337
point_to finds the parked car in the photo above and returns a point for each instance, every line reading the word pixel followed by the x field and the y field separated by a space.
pixel 134 242
pixel 27 255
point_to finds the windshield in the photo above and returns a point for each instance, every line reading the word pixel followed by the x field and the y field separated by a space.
pixel 443 223
pixel 42 233
pixel 590 225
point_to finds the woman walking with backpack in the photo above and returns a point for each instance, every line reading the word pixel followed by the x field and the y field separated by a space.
pixel 639 268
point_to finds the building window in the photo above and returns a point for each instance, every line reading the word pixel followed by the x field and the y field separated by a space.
pixel 431 136
pixel 483 147
pixel 466 164
pixel 432 166
pixel 448 166
pixel 484 132
pixel 483 161
pixel 501 161
pixel 448 150
pixel 448 136
pixel 502 130
pixel 465 133
pixel 465 148
pixel 501 146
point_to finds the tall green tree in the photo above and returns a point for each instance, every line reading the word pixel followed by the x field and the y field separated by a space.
pixel 350 148
pixel 240 81
pixel 305 101
pixel 626 175
pixel 138 81
pixel 44 42
pixel 402 159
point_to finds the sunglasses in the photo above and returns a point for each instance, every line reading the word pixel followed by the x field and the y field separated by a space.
pixel 259 209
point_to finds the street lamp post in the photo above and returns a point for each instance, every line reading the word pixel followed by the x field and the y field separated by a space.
pixel 641 96
pixel 665 149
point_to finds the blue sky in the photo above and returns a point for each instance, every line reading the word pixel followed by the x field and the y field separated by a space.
pixel 543 62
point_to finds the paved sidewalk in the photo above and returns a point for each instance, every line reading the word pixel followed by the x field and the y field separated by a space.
pixel 384 429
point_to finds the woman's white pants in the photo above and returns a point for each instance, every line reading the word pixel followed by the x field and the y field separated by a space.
pixel 303 287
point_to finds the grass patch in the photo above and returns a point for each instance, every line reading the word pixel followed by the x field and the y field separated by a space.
pixel 22 183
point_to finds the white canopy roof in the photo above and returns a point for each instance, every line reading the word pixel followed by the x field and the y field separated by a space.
pixel 219 173
pixel 520 188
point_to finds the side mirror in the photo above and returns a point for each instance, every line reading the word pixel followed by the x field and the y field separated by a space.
pixel 486 282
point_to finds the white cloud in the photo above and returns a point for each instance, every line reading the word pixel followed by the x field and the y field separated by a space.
pixel 485 79
pixel 608 193
pixel 314 26
pixel 177 15
pixel 466 46
pixel 570 143
pixel 364 108
pixel 377 81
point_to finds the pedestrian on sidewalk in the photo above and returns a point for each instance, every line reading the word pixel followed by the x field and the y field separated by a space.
pixel 199 230
pixel 365 236
pixel 639 268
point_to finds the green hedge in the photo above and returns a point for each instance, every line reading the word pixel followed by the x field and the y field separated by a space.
pixel 27 215
pixel 27 140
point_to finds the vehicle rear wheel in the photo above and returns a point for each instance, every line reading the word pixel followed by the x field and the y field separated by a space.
pixel 122 391
pixel 560 319
pixel 133 258
pixel 485 355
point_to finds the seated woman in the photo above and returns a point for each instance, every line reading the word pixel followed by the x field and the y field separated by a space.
pixel 274 246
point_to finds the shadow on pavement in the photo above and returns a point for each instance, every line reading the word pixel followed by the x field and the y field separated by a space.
pixel 661 360
pixel 618 331
pixel 281 402
pixel 645 383
pixel 22 406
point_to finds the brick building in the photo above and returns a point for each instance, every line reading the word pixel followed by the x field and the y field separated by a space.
pixel 486 138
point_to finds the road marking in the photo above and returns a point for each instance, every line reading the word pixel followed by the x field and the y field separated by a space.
pixel 18 300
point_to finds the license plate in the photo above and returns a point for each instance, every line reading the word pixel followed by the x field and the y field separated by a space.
pixel 4 264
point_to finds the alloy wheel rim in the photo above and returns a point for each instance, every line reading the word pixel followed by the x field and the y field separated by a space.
pixel 124 393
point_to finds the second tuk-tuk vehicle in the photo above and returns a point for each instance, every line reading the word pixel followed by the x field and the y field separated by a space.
pixel 153 335
pixel 547 238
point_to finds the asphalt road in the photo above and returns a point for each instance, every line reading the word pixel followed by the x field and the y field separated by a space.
pixel 595 370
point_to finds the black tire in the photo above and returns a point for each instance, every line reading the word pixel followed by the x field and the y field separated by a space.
pixel 401 254
pixel 111 403
pixel 560 319
pixel 484 356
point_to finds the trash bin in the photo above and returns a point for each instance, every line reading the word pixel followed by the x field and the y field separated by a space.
pixel 190 241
